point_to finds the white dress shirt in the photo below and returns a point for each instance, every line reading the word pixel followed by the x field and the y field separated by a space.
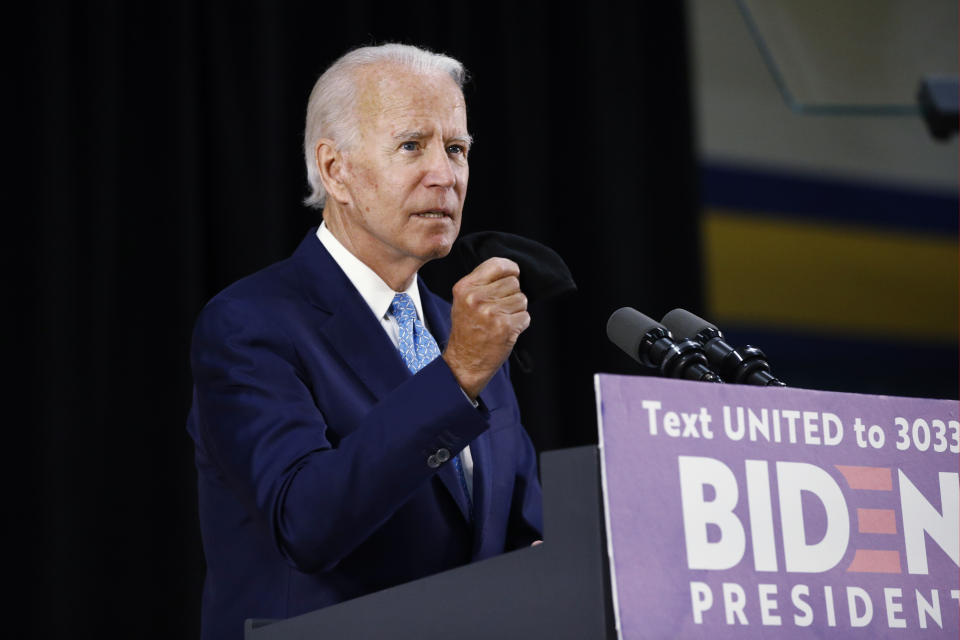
pixel 378 295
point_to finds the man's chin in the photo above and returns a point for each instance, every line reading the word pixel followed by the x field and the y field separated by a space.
pixel 439 251
pixel 438 247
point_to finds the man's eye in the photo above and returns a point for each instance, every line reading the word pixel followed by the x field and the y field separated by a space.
pixel 457 149
pixel 410 146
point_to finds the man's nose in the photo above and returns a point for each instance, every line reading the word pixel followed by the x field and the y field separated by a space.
pixel 440 171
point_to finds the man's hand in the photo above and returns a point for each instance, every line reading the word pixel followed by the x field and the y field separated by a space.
pixel 489 313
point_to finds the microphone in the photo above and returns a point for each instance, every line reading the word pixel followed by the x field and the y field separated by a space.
pixel 651 344
pixel 742 366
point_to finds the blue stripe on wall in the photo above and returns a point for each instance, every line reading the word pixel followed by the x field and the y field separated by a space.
pixel 828 199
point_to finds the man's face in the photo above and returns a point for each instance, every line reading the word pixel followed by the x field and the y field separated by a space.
pixel 407 174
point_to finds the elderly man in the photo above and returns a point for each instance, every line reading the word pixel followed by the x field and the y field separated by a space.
pixel 353 431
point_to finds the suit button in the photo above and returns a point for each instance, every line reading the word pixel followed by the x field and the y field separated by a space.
pixel 433 462
pixel 442 455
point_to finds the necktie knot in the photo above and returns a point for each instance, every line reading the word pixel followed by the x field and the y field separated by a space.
pixel 402 308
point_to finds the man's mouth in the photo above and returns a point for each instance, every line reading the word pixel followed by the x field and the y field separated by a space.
pixel 432 214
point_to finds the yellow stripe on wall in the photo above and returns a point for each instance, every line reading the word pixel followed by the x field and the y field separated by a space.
pixel 830 277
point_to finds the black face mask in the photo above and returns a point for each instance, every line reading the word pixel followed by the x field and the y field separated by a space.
pixel 543 273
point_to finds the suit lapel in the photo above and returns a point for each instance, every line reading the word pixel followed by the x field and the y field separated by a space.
pixel 359 339
pixel 482 486
pixel 351 331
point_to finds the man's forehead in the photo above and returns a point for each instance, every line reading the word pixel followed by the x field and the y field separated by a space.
pixel 394 92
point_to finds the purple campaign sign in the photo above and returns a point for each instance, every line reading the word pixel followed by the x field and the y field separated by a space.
pixel 752 512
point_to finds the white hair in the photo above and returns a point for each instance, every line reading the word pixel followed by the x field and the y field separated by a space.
pixel 331 109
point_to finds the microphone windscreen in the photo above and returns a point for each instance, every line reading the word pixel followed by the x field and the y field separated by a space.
pixel 684 324
pixel 626 329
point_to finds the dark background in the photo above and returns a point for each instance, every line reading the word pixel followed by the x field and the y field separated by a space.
pixel 162 148
pixel 159 155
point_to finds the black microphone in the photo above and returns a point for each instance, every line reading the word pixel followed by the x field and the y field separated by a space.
pixel 651 344
pixel 742 366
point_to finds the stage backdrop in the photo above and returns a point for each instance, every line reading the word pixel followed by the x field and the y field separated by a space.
pixel 159 159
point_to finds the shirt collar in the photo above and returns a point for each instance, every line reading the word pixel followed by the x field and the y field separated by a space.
pixel 375 292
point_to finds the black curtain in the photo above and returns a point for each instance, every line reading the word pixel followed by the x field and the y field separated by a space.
pixel 159 158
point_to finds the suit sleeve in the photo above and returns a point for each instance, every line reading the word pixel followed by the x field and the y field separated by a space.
pixel 259 422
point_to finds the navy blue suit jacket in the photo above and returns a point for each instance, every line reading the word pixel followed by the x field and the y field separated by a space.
pixel 312 447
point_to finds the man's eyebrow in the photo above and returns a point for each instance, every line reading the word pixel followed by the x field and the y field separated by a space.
pixel 416 134
pixel 465 138
pixel 409 134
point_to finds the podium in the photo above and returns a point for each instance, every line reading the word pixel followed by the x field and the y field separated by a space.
pixel 559 589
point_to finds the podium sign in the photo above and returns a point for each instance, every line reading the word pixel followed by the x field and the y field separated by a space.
pixel 751 512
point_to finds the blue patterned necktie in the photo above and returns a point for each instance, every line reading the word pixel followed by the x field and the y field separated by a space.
pixel 417 346
pixel 418 349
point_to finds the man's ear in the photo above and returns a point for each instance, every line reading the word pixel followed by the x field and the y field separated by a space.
pixel 332 170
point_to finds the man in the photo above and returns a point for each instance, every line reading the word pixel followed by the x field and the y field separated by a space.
pixel 353 431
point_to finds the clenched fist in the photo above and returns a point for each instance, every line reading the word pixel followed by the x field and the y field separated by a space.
pixel 489 314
